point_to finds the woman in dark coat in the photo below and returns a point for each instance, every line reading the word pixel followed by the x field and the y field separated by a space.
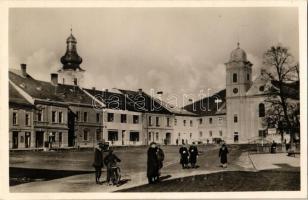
pixel 223 151
pixel 152 164
pixel 98 163
pixel 193 153
pixel 184 156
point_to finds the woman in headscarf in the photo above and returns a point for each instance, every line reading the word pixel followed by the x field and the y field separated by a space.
pixel 223 151
pixel 152 164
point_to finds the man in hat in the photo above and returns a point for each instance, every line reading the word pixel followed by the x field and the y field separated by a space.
pixel 152 164
pixel 98 163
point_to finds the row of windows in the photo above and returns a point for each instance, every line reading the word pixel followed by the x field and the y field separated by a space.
pixel 210 133
pixel 110 118
pixel 190 134
pixel 56 117
pixel 52 137
pixel 211 120
pixel 27 119
pixel 114 136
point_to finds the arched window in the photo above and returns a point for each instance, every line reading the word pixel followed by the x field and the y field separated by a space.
pixel 234 78
pixel 261 110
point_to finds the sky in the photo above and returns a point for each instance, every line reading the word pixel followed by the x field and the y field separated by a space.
pixel 174 50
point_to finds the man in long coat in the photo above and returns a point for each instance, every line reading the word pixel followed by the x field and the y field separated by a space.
pixel 184 156
pixel 152 164
pixel 193 154
pixel 223 151
pixel 98 163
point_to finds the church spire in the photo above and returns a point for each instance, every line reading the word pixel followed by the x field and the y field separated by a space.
pixel 71 59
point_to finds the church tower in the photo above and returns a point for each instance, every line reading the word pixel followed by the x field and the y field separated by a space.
pixel 238 81
pixel 71 73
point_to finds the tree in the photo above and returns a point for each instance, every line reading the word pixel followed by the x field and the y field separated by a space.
pixel 283 75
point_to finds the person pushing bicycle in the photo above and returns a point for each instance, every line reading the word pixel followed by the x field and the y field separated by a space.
pixel 113 171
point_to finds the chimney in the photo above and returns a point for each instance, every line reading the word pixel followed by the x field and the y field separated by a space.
pixel 93 88
pixel 140 91
pixel 54 78
pixel 23 70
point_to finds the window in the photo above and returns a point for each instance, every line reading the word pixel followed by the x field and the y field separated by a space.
pixel 52 137
pixel 200 134
pixel 210 120
pixel 235 119
pixel 248 77
pixel 97 117
pixel 184 122
pixel 150 138
pixel 60 117
pixel 60 137
pixel 200 121
pixel 219 120
pixel 85 135
pixel 123 118
pixel 27 119
pixel 134 136
pixel 22 139
pixel 220 132
pixel 75 81
pixel 235 137
pixel 235 90
pixel 179 134
pixel 85 116
pixel 261 110
pixel 135 119
pixel 210 133
pixel 175 122
pixel 98 135
pixel 157 121
pixel 53 116
pixel 234 78
pixel 191 123
pixel 150 121
pixel 112 135
pixel 190 135
pixel 261 88
pixel 40 116
pixel 78 115
pixel 110 117
pixel 157 136
pixel 262 133
pixel 168 121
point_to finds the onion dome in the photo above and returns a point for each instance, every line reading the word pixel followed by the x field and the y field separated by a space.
pixel 71 59
pixel 238 54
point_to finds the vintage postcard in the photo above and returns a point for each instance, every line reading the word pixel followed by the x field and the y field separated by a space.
pixel 153 100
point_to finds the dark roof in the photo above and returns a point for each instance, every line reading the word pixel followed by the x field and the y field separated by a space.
pixel 291 90
pixel 207 106
pixel 142 102
pixel 41 90
pixel 16 98
pixel 112 100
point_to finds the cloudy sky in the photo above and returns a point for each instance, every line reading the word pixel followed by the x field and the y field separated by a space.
pixel 176 50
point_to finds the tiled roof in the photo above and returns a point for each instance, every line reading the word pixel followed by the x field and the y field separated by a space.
pixel 143 102
pixel 41 90
pixel 16 98
pixel 207 106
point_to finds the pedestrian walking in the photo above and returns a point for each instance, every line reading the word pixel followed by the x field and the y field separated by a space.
pixel 111 162
pixel 98 163
pixel 184 156
pixel 223 151
pixel 152 164
pixel 193 154
pixel 160 159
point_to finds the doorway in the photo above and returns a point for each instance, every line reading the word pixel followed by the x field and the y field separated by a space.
pixel 168 138
pixel 27 139
pixel 15 140
pixel 39 141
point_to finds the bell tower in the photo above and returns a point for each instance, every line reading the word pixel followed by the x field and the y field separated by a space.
pixel 238 81
pixel 71 73
pixel 238 76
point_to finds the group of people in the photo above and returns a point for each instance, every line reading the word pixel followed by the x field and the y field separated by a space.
pixel 189 156
pixel 110 161
pixel 155 160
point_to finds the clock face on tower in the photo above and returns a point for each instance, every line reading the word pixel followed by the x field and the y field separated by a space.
pixel 235 90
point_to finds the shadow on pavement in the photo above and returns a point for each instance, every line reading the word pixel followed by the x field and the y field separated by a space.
pixel 25 175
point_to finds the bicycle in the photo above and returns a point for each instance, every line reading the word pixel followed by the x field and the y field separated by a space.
pixel 115 175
